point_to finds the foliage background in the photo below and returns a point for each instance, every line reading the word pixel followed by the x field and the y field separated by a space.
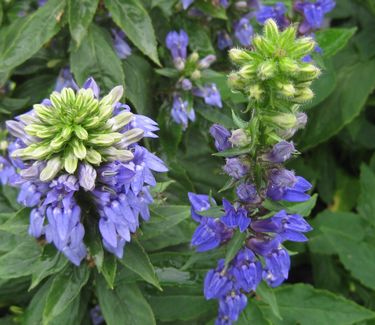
pixel 332 279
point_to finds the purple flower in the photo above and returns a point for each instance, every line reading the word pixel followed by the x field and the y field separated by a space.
pixel 8 174
pixel 210 94
pixel 122 48
pixel 209 234
pixel 235 217
pixel 31 193
pixel 236 167
pixel 207 61
pixel 223 40
pixel 221 136
pixel 37 217
pixel 313 13
pixel 186 3
pixel 177 43
pixel 276 12
pixel 65 80
pixel 280 153
pixel 289 227
pixel 277 267
pixel 96 315
pixel 284 185
pixel 181 112
pixel 247 193
pixel 199 202
pixel 62 191
pixel 263 245
pixel 186 84
pixel 232 305
pixel 217 282
pixel 243 31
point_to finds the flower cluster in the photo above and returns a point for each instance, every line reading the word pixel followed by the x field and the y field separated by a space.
pixel 255 154
pixel 76 151
pixel 189 84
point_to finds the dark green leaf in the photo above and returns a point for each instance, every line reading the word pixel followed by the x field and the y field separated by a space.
pixel 65 287
pixel 267 295
pixel 234 245
pixel 232 152
pixel 96 57
pixel 211 9
pixel 124 305
pixel 136 259
pixel 80 15
pixel 252 315
pixel 109 269
pixel 304 305
pixel 332 40
pixel 167 72
pixel 25 36
pixel 302 208
pixel 133 19
pixel 366 202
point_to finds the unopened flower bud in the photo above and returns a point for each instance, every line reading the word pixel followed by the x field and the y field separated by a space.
pixel 239 138
pixel 282 120
pixel 304 95
pixel 194 57
pixel 247 193
pixel 309 72
pixel 271 31
pixel 248 71
pixel 186 84
pixel 87 176
pixel 221 136
pixel 53 166
pixel 179 63
pixel 240 56
pixel 236 167
pixel 288 65
pixel 196 75
pixel 255 92
pixel 3 145
pixel 241 5
pixel 207 61
pixel 287 90
pixel 266 70
pixel 281 152
pixel 303 47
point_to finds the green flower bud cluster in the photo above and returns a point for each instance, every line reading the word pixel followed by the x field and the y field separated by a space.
pixel 273 74
pixel 77 127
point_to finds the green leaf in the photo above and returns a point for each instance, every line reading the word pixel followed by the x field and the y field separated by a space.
pixel 252 315
pixel 167 72
pixel 80 15
pixel 304 305
pixel 234 245
pixel 302 208
pixel 355 80
pixel 96 57
pixel 65 287
pixel 164 218
pixel 51 262
pixel 138 83
pixel 18 223
pixel 124 305
pixel 267 295
pixel 366 203
pixel 133 19
pixel 25 36
pixel 184 307
pixel 21 260
pixel 211 9
pixel 136 259
pixel 332 40
pixel 214 212
pixel 232 152
pixel 199 37
pixel 109 269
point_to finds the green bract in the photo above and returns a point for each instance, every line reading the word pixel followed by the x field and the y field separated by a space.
pixel 273 73
pixel 74 127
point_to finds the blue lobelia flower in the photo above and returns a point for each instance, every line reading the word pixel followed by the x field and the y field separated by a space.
pixel 247 193
pixel 288 226
pixel 284 185
pixel 181 113
pixel 243 31
pixel 186 3
pixel 231 305
pixel 65 80
pixel 122 48
pixel 177 43
pixel 313 13
pixel 277 267
pixel 236 167
pixel 223 40
pixel 235 216
pixel 221 136
pixel 210 94
pixel 217 282
pixel 276 12
pixel 199 202
pixel 8 173
pixel 280 152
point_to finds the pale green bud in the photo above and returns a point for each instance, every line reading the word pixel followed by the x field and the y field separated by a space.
pixel 196 75
pixel 282 120
pixel 3 145
pixel 235 82
pixel 304 95
pixel 266 70
pixel 287 90
pixel 248 71
pixel 271 31
pixel 309 72
pixel 255 92
pixel 105 139
pixel 194 57
pixel 239 138
pixel 119 121
pixel 264 46
pixel 113 97
pixel 52 168
pixel 302 47
pixel 79 149
pixel 93 157
pixel 44 113
pixel 240 56
pixel 80 132
pixel 70 163
pixel 113 154
pixel 288 65
pixel 130 137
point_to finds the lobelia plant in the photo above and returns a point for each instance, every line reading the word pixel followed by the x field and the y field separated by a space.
pixel 276 80
pixel 76 160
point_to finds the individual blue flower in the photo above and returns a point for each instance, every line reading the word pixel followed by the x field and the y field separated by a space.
pixel 236 167
pixel 280 152
pixel 232 305
pixel 199 202
pixel 277 267
pixel 235 216
pixel 186 84
pixel 217 282
pixel 284 185
pixel 243 31
pixel 122 48
pixel 181 113
pixel 65 80
pixel 223 40
pixel 313 13
pixel 288 226
pixel 247 193
pixel 276 12
pixel 210 94
pixel 186 3
pixel 8 174
pixel 210 234
pixel 31 193
pixel 221 136
pixel 177 43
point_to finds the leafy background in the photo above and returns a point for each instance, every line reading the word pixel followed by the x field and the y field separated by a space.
pixel 159 280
